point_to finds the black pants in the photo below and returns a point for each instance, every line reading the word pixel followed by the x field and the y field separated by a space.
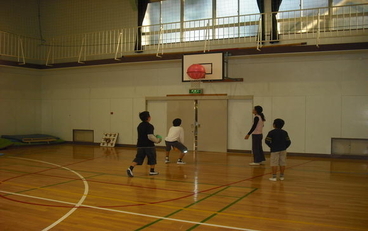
pixel 257 149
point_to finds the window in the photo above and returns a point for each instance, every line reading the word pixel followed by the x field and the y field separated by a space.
pixel 151 24
pixel 197 9
pixel 171 11
pixel 226 8
pixel 299 16
pixel 302 4
pixel 299 8
pixel 167 22
pixel 317 15
pixel 176 21
pixel 347 14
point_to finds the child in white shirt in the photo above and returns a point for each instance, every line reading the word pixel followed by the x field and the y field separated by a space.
pixel 175 139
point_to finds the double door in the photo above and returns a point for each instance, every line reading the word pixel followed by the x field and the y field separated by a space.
pixel 204 122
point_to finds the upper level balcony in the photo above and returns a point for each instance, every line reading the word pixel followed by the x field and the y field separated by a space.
pixel 335 28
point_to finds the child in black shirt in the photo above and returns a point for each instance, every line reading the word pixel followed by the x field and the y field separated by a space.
pixel 278 140
pixel 145 145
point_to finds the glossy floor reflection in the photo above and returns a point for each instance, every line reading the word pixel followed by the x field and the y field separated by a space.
pixel 81 187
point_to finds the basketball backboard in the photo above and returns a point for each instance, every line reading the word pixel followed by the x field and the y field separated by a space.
pixel 212 62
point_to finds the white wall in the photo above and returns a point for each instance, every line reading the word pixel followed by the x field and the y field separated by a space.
pixel 84 98
pixel 80 16
pixel 20 101
pixel 318 95
pixel 20 17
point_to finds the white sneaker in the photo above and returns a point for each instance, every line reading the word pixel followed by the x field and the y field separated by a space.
pixel 254 164
pixel 167 161
pixel 263 162
pixel 180 162
pixel 130 172
pixel 282 178
pixel 272 179
pixel 153 173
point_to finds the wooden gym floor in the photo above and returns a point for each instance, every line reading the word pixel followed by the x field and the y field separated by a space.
pixel 81 187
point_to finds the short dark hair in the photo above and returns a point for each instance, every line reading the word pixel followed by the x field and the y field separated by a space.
pixel 279 123
pixel 177 122
pixel 144 115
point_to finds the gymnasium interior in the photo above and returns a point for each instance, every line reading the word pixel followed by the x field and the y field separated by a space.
pixel 75 75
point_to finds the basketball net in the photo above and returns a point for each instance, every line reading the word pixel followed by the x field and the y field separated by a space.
pixel 195 83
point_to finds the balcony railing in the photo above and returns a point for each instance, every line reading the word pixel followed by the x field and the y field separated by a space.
pixel 315 26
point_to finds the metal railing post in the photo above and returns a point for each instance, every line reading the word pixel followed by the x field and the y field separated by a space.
pixel 81 50
pixel 206 37
pixel 49 53
pixel 117 46
pixel 259 34
pixel 20 49
pixel 160 43
pixel 318 27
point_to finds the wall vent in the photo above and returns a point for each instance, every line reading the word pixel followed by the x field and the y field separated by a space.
pixel 349 146
pixel 83 135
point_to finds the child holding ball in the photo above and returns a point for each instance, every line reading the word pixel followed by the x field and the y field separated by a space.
pixel 145 145
pixel 175 139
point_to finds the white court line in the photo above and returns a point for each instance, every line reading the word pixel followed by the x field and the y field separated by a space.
pixel 131 213
pixel 85 193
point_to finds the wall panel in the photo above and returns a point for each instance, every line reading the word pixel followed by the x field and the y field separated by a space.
pixel 239 122
pixel 122 120
pixel 293 111
pixel 100 117
pixel 354 117
pixel 323 120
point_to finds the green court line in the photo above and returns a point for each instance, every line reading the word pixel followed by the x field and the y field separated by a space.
pixel 123 173
pixel 179 210
pixel 100 174
pixel 50 185
pixel 43 167
pixel 10 170
pixel 226 207
pixel 205 198
pixel 119 175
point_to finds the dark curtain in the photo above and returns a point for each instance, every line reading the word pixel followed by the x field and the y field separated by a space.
pixel 275 6
pixel 262 10
pixel 142 7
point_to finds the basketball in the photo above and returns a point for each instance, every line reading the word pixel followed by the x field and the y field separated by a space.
pixel 159 137
pixel 196 71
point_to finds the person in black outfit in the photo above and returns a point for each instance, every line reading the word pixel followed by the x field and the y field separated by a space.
pixel 145 145
pixel 278 140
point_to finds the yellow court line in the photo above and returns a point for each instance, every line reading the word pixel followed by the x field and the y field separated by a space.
pixel 187 209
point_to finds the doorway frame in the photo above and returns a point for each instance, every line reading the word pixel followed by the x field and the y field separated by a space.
pixel 198 97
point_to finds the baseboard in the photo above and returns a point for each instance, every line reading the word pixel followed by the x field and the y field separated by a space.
pixel 312 155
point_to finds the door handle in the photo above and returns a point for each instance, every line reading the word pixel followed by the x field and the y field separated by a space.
pixel 198 125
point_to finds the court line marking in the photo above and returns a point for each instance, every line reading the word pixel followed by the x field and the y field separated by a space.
pixel 183 209
pixel 131 213
pixel 278 220
pixel 223 209
pixel 195 203
pixel 185 221
pixel 81 200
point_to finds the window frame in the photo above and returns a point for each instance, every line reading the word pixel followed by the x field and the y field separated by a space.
pixel 210 31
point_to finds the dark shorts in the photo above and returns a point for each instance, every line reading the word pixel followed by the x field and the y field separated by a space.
pixel 149 152
pixel 177 145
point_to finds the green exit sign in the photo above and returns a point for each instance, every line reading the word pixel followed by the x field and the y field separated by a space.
pixel 196 91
